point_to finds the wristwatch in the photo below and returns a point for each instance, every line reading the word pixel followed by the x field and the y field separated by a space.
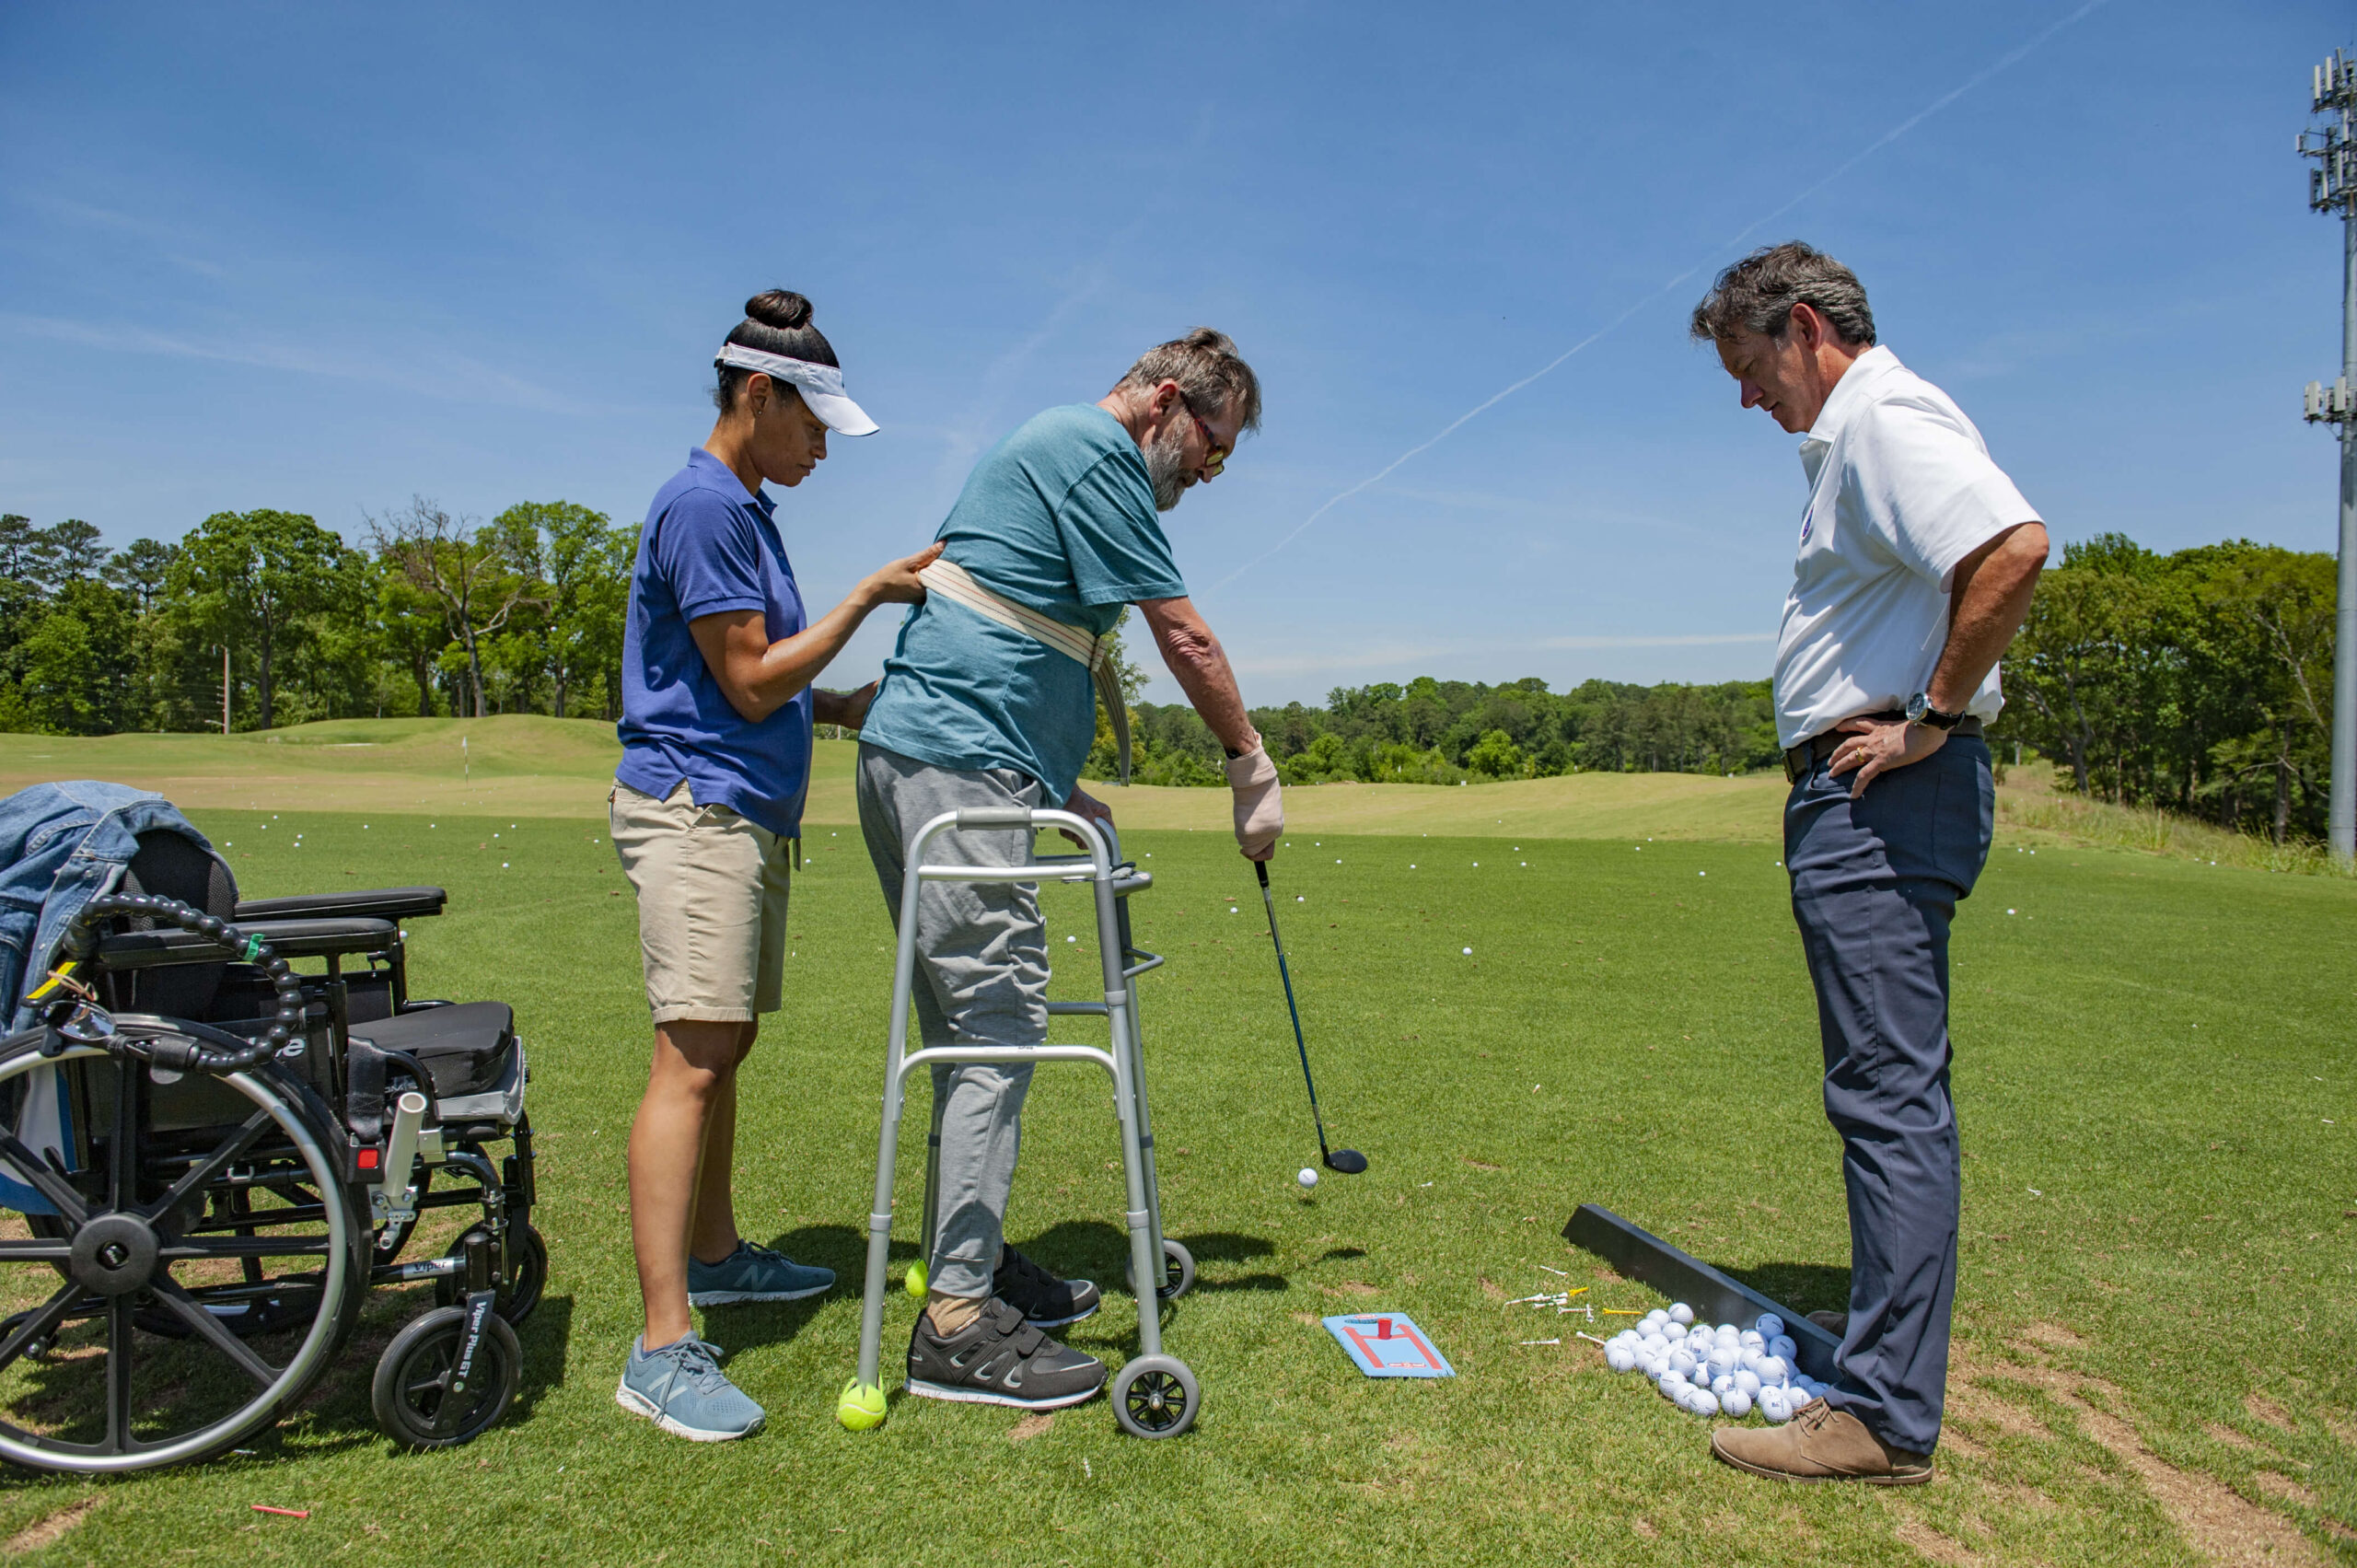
pixel 1920 711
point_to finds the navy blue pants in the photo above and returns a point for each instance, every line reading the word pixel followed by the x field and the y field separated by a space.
pixel 1875 883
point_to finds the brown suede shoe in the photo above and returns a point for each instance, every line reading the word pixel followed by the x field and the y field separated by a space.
pixel 1819 1444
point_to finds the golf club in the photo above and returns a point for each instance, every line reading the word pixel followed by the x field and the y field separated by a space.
pixel 1349 1162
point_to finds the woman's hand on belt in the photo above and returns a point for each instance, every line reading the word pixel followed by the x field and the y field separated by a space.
pixel 896 582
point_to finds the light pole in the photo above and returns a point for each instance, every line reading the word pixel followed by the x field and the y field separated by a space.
pixel 2333 188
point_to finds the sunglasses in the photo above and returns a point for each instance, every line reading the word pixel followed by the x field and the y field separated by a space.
pixel 1215 455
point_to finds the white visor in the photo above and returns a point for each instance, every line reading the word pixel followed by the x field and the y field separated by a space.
pixel 821 386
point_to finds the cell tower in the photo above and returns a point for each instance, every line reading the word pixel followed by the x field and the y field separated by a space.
pixel 2333 188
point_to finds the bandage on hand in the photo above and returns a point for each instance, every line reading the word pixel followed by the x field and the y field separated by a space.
pixel 1260 806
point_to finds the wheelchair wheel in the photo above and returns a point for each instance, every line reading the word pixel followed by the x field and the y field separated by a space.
pixel 425 1398
pixel 528 1259
pixel 190 1281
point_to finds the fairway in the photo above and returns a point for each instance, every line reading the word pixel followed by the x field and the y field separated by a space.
pixel 2151 1327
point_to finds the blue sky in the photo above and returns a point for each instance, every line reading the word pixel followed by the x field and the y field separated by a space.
pixel 324 258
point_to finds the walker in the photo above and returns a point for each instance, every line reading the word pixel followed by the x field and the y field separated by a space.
pixel 1154 1395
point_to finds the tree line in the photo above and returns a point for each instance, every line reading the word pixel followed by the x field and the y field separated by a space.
pixel 2198 681
pixel 1432 731
pixel 264 618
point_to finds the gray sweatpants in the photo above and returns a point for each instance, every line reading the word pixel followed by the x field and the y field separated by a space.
pixel 981 979
pixel 1875 883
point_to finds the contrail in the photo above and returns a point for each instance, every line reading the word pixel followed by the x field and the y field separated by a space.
pixel 2003 62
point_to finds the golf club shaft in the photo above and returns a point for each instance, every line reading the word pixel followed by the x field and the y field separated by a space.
pixel 1269 902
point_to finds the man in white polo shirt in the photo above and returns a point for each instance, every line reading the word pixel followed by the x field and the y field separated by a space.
pixel 1917 562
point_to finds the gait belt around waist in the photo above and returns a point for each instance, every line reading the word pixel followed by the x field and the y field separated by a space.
pixel 1094 653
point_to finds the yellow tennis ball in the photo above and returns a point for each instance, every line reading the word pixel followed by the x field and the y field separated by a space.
pixel 861 1408
pixel 916 1279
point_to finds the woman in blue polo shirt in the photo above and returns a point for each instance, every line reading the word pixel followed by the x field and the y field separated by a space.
pixel 717 705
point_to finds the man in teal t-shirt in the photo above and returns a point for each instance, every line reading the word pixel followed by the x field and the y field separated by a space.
pixel 1061 521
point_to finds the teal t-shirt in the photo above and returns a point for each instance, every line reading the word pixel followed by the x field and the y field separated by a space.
pixel 1059 517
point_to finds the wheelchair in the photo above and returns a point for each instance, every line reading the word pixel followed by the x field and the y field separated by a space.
pixel 213 1156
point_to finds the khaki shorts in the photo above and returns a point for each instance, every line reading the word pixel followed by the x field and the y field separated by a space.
pixel 712 894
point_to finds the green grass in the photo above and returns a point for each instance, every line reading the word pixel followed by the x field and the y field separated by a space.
pixel 2157 1107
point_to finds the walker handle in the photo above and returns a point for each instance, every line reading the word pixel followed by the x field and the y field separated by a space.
pixel 994 817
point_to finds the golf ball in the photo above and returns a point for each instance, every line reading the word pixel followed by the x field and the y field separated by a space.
pixel 1772 1369
pixel 1703 1402
pixel 1770 1324
pixel 1735 1402
pixel 1749 1381
pixel 1782 1345
pixel 1775 1407
pixel 1307 1178
pixel 1619 1358
pixel 1682 1362
pixel 1723 1361
pixel 1681 1313
pixel 1752 1339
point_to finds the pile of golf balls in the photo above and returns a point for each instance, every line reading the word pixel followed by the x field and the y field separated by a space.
pixel 1720 1370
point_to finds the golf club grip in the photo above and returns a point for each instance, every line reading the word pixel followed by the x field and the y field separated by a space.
pixel 1260 869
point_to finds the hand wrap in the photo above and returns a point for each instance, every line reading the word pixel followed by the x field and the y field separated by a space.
pixel 1259 809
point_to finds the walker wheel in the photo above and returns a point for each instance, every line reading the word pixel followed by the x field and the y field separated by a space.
pixel 1177 1273
pixel 1155 1396
pixel 422 1399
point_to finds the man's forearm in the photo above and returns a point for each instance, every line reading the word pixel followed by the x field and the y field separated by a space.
pixel 1198 664
pixel 1988 603
pixel 1210 686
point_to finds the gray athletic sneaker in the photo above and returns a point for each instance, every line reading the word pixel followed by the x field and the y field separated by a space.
pixel 999 1359
pixel 682 1389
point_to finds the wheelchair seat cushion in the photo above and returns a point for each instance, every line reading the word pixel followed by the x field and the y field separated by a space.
pixel 466 1047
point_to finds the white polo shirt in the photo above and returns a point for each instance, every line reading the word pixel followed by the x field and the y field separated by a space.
pixel 1901 488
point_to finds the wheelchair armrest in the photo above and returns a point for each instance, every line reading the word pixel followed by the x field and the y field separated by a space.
pixel 375 903
pixel 288 939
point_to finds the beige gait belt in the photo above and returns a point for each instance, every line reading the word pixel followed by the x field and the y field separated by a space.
pixel 1094 653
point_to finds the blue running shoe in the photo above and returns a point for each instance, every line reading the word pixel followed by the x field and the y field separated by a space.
pixel 753 1273
pixel 682 1389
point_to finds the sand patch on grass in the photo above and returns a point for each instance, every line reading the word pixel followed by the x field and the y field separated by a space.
pixel 2287 1489
pixel 48 1530
pixel 2264 1408
pixel 2219 1522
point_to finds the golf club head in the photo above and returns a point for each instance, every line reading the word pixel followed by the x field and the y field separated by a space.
pixel 1349 1162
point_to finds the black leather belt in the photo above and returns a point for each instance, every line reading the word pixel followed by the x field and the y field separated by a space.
pixel 1801 761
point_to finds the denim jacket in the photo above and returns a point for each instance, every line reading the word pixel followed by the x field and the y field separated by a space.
pixel 61 845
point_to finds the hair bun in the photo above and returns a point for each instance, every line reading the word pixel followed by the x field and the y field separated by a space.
pixel 781 309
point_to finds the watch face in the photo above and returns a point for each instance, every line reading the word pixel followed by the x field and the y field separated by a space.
pixel 1916 707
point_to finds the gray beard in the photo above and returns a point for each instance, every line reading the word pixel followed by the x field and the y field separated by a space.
pixel 1166 465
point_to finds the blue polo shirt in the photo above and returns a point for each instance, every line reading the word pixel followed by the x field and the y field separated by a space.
pixel 1059 517
pixel 708 547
